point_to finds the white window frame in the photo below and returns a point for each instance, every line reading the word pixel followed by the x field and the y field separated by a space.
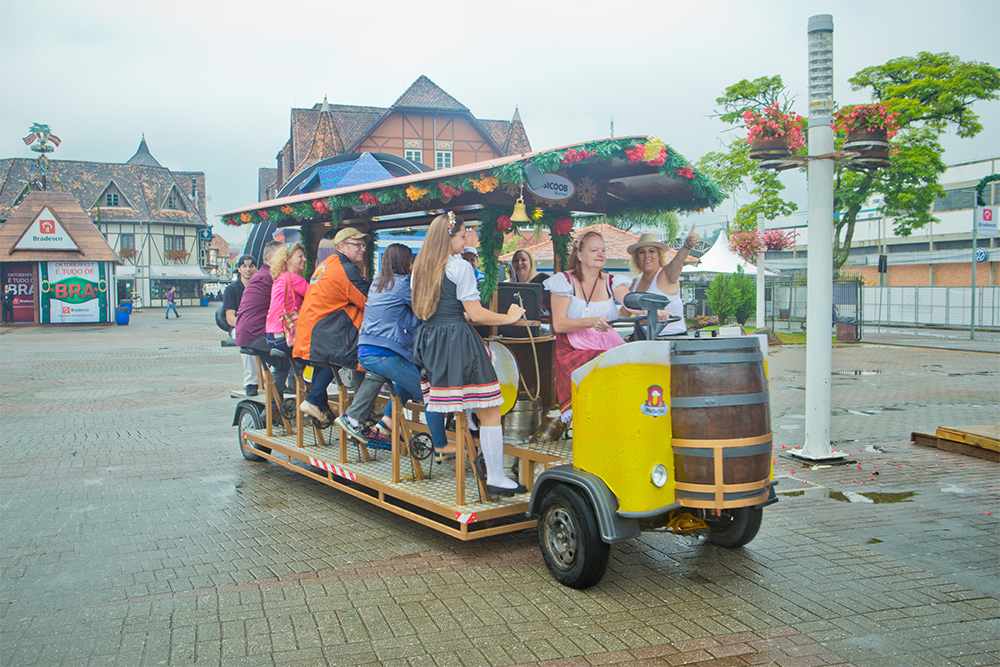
pixel 440 157
pixel 414 155
pixel 110 197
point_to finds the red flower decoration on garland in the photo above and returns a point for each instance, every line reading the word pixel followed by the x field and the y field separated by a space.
pixel 320 206
pixel 449 191
pixel 573 155
pixel 504 223
pixel 637 153
pixel 563 226
pixel 263 215
pixel 685 172
pixel 369 198
pixel 659 159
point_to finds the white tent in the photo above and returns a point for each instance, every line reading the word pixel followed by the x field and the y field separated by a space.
pixel 720 259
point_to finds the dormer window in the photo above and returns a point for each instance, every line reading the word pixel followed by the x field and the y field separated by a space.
pixel 111 199
pixel 173 201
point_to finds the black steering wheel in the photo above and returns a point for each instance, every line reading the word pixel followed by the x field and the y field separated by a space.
pixel 651 303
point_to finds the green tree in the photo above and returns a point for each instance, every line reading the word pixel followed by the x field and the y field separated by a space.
pixel 932 93
pixel 666 221
pixel 721 297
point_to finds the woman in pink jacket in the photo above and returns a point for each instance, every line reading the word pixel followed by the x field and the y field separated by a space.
pixel 289 288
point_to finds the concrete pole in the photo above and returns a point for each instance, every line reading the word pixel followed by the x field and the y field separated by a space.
pixel 975 243
pixel 760 274
pixel 819 286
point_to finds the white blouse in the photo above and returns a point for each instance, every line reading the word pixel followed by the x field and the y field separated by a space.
pixel 463 275
pixel 561 285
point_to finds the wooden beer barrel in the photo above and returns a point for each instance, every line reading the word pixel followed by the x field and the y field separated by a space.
pixel 721 419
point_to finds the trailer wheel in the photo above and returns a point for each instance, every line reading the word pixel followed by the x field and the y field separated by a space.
pixel 570 538
pixel 249 417
pixel 735 527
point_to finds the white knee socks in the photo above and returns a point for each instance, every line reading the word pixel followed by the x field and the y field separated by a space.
pixel 491 439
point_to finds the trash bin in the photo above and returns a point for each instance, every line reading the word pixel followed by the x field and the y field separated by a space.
pixel 846 332
pixel 121 315
pixel 204 301
pixel 126 303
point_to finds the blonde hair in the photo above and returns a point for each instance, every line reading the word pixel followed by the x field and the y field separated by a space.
pixel 279 260
pixel 428 267
pixel 531 264
pixel 635 258
pixel 573 265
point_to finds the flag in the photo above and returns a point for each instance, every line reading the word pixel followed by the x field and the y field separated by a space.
pixel 54 139
pixel 30 139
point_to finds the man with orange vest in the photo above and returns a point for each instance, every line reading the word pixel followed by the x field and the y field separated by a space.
pixel 329 320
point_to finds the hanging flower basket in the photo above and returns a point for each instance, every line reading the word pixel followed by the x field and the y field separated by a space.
pixel 870 147
pixel 769 148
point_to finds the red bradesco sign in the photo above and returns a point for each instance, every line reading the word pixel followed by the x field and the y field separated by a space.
pixel 18 275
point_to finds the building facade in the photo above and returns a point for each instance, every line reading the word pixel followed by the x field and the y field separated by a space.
pixel 939 254
pixel 425 126
pixel 154 218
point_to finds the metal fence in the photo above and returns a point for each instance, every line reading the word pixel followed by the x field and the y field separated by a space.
pixel 888 306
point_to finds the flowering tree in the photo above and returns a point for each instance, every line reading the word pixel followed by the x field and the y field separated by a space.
pixel 924 95
pixel 748 244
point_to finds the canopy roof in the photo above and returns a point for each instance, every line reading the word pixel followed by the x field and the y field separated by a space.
pixel 609 176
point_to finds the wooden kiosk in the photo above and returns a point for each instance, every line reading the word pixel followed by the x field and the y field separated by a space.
pixel 606 177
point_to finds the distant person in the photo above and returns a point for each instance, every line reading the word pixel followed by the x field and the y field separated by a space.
pixel 171 302
pixel 8 304
pixel 523 263
pixel 231 299
pixel 470 255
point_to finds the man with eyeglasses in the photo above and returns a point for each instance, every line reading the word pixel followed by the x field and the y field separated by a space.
pixel 329 320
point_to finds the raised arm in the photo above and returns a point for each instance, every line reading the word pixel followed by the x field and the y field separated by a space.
pixel 672 272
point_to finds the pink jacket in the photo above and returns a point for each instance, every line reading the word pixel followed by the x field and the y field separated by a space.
pixel 277 309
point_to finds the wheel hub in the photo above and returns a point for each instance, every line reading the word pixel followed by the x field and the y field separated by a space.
pixel 561 533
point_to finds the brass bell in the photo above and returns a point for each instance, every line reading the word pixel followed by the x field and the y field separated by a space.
pixel 519 214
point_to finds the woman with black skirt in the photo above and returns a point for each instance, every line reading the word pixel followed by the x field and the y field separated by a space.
pixel 457 369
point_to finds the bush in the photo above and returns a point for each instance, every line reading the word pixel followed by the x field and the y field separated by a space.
pixel 733 296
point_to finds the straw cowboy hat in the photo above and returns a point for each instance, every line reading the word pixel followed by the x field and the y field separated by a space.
pixel 646 240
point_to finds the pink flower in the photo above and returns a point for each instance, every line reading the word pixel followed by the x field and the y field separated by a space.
pixel 637 153
pixel 320 206
pixel 504 223
pixel 563 226
pixel 685 172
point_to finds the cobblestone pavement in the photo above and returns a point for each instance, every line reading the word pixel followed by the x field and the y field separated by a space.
pixel 133 533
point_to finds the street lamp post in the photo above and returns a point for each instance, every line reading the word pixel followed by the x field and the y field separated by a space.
pixel 819 289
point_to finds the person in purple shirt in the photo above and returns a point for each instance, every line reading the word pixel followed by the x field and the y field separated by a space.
pixel 252 316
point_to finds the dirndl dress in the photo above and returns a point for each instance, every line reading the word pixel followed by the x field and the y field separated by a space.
pixel 456 368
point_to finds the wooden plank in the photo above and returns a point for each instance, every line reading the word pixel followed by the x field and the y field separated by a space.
pixel 987 437
pixel 931 440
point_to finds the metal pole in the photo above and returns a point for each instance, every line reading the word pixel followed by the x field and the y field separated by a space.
pixel 760 273
pixel 819 285
pixel 975 241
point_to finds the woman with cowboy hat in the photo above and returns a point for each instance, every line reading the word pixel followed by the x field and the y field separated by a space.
pixel 656 275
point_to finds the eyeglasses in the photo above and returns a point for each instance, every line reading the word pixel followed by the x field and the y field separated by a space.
pixel 356 245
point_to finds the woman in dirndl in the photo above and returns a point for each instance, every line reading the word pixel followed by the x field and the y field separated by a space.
pixel 583 304
pixel 458 374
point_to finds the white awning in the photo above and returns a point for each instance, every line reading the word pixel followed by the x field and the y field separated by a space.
pixel 181 272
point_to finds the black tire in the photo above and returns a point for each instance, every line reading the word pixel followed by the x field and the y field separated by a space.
pixel 570 538
pixel 735 527
pixel 248 417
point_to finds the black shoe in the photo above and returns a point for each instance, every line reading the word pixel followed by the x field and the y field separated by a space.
pixel 505 493
pixel 251 390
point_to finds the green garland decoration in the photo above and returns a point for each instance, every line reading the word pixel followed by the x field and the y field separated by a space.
pixel 309 241
pixel 490 244
pixel 674 166
pixel 982 188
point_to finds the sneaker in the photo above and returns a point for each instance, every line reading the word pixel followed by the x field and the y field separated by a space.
pixel 351 431
pixel 251 390
pixel 311 410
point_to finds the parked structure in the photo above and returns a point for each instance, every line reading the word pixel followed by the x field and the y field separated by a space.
pixel 154 218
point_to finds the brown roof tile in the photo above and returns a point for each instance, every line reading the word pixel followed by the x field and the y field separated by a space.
pixel 425 94
pixel 76 222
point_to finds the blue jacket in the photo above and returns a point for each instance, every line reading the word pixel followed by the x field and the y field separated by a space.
pixel 389 320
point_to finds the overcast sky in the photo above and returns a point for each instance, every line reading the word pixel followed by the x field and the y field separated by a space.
pixel 211 82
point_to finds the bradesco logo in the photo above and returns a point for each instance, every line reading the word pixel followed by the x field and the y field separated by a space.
pixel 47 231
pixel 73 290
